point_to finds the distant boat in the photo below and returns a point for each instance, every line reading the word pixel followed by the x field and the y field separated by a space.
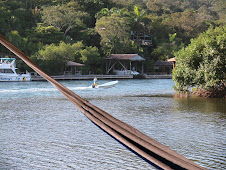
pixel 8 71
pixel 125 72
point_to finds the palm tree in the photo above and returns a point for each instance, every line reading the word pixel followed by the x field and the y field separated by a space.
pixel 139 22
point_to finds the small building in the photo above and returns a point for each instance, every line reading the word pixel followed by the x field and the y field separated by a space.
pixel 142 38
pixel 163 67
pixel 124 64
pixel 73 68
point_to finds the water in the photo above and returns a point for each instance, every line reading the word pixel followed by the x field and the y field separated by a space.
pixel 40 129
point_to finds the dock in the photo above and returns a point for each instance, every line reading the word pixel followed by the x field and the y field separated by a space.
pixel 83 77
pixel 100 76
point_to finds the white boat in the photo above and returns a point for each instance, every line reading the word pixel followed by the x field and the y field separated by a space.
pixel 8 71
pixel 107 85
pixel 125 72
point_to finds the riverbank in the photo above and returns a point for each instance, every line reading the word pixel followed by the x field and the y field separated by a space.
pixel 92 76
pixel 216 92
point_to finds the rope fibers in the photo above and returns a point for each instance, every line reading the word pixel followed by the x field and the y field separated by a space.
pixel 153 151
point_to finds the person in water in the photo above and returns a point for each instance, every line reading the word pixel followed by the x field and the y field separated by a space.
pixel 94 82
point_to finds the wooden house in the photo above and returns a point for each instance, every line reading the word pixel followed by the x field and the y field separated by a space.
pixel 124 64
pixel 163 67
pixel 73 68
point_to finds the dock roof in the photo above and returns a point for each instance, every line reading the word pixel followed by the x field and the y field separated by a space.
pixel 131 57
pixel 162 63
pixel 73 64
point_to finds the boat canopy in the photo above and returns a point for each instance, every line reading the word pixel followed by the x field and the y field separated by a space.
pixel 7 59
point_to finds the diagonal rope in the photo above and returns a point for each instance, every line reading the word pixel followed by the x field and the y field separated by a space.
pixel 153 151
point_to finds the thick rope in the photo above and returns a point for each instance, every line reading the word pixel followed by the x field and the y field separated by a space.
pixel 151 150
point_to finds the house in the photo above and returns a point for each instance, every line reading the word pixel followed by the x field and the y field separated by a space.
pixel 163 67
pixel 124 64
pixel 72 68
pixel 142 38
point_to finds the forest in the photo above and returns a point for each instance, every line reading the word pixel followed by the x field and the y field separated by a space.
pixel 52 32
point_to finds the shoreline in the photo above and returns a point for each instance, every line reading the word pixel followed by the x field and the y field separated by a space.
pixel 92 76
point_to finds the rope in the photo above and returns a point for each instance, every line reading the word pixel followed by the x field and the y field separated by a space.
pixel 148 148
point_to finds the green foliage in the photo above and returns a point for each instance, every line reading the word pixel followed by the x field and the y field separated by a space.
pixel 114 32
pixel 107 24
pixel 20 42
pixel 93 6
pixel 187 24
pixel 45 35
pixel 91 58
pixel 65 16
pixel 52 58
pixel 14 16
pixel 202 63
pixel 166 50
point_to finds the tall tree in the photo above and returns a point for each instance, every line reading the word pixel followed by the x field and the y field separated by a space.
pixel 186 24
pixel 115 33
pixel 65 17
pixel 45 35
pixel 139 21
pixel 94 6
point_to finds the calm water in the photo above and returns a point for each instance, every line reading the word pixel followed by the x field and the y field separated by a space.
pixel 40 129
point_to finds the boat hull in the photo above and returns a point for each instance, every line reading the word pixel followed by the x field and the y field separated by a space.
pixel 22 77
pixel 108 85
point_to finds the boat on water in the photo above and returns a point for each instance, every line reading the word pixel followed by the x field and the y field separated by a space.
pixel 8 71
pixel 108 85
pixel 125 72
pixel 105 85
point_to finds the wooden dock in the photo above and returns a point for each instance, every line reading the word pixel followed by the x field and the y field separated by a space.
pixel 162 76
pixel 100 76
pixel 92 76
pixel 83 77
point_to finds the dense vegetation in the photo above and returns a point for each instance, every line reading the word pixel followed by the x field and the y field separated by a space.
pixel 52 32
pixel 203 64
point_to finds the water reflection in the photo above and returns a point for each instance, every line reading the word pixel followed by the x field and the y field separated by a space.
pixel 205 105
pixel 40 129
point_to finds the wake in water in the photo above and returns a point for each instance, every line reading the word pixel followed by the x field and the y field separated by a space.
pixel 26 90
pixel 40 89
pixel 81 88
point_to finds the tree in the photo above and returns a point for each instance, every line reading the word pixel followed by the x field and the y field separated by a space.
pixel 65 17
pixel 202 63
pixel 115 33
pixel 52 58
pixel 166 50
pixel 139 21
pixel 45 35
pixel 14 16
pixel 19 41
pixel 187 24
pixel 94 6
pixel 91 58
pixel 220 7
